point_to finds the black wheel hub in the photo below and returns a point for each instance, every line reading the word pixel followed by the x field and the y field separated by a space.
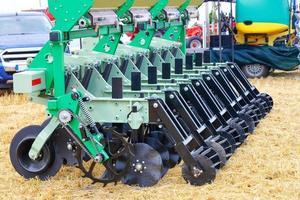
pixel 33 166
pixel 201 174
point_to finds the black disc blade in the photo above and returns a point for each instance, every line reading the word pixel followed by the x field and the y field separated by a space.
pixel 164 153
pixel 157 134
pixel 145 166
pixel 162 137
pixel 174 158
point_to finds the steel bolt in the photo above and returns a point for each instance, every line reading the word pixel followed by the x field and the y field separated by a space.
pixel 186 89
pixel 197 172
pixel 197 84
pixel 172 96
pixel 70 146
pixel 139 167
pixel 155 105
pixel 98 159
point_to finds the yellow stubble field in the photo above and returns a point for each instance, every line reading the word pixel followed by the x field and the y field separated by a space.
pixel 266 166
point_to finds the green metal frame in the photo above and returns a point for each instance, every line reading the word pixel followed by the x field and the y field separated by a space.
pixel 51 60
pixel 178 32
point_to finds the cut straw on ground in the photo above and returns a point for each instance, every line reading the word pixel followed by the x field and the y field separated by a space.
pixel 267 166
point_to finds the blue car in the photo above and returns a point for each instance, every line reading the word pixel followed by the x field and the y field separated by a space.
pixel 22 35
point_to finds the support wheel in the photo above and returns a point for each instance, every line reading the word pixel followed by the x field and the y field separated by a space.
pixel 199 175
pixel 268 99
pixel 46 166
pixel 262 106
pixel 219 150
pixel 239 133
pixel 248 120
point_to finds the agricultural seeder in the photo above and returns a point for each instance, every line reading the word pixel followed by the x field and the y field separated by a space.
pixel 138 109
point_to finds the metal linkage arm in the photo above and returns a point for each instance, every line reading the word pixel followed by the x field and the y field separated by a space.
pixel 123 9
pixel 143 38
pixel 111 33
pixel 178 32
pixel 158 7
pixel 68 12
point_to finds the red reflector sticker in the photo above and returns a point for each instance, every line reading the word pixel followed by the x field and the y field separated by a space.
pixel 36 81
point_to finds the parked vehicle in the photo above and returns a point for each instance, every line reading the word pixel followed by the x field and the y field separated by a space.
pixel 22 35
pixel 194 36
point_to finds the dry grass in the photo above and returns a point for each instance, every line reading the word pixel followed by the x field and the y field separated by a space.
pixel 267 166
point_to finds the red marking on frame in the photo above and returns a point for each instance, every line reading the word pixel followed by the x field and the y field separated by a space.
pixel 36 81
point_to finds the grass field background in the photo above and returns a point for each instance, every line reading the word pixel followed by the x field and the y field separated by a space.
pixel 267 166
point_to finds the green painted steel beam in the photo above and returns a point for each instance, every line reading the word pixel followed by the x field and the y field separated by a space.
pixel 184 5
pixel 42 138
pixel 158 7
pixel 122 10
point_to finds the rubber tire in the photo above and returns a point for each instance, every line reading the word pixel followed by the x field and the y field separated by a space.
pixel 190 41
pixel 53 166
pixel 263 73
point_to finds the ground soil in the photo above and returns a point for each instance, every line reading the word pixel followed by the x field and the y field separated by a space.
pixel 267 166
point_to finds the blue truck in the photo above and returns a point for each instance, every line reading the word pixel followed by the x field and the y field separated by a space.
pixel 22 35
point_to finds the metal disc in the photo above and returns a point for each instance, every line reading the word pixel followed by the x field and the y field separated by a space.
pixel 163 151
pixel 253 112
pixel 267 99
pixel 261 105
pixel 248 120
pixel 64 146
pixel 219 150
pixel 162 137
pixel 199 175
pixel 227 142
pixel 270 99
pixel 61 140
pixel 242 135
pixel 174 158
pixel 146 166
pixel 253 107
pixel 230 134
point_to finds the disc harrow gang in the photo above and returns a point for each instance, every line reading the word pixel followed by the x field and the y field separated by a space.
pixel 138 109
